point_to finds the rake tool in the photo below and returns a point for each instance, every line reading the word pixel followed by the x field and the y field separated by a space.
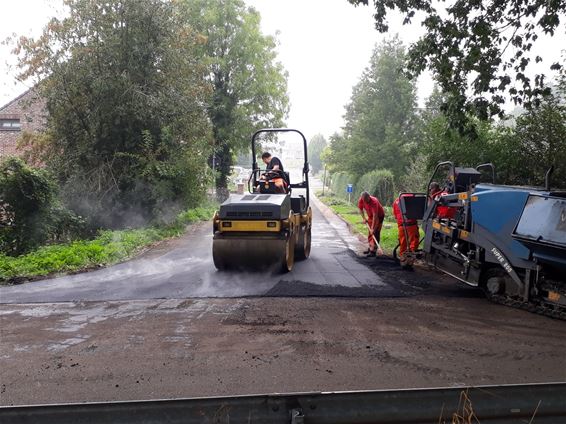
pixel 379 249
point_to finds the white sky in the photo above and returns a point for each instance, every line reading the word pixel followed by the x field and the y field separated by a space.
pixel 22 17
pixel 324 45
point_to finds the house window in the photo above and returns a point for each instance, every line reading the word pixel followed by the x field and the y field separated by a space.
pixel 10 124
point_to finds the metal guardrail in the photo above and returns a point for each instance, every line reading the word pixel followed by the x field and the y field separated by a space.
pixel 532 403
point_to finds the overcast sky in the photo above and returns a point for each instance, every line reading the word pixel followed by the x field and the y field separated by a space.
pixel 324 45
pixel 22 17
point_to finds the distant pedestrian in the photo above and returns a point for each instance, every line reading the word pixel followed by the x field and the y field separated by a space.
pixel 375 216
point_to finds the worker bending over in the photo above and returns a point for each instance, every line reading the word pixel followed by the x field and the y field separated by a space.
pixel 375 216
pixel 408 233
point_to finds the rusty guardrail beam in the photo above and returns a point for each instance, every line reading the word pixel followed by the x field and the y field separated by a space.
pixel 541 403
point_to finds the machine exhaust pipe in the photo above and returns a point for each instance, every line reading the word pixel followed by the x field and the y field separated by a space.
pixel 547 178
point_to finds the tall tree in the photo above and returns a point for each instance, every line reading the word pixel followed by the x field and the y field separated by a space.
pixel 250 86
pixel 537 142
pixel 335 155
pixel 381 118
pixel 315 147
pixel 522 149
pixel 479 51
pixel 127 135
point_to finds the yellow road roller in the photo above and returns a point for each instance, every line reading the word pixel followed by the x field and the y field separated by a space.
pixel 269 227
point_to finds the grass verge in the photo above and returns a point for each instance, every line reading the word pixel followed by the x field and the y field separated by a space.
pixel 350 213
pixel 108 248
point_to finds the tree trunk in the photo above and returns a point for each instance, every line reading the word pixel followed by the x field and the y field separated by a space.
pixel 223 166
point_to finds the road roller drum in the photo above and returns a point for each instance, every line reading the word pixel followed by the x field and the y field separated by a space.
pixel 254 253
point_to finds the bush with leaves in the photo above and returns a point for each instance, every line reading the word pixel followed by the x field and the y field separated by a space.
pixel 522 150
pixel 378 183
pixel 442 143
pixel 125 88
pixel 480 52
pixel 417 175
pixel 30 214
pixel 535 143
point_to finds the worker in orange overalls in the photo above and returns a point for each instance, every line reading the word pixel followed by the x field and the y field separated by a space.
pixel 442 212
pixel 375 216
pixel 433 191
pixel 412 243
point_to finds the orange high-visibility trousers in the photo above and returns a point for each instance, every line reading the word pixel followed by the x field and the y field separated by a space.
pixel 413 233
pixel 371 241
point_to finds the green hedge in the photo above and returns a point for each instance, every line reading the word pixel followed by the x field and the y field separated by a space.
pixel 378 183
pixel 339 182
pixel 30 212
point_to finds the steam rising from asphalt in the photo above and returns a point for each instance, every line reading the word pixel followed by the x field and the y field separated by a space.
pixel 187 270
pixel 177 274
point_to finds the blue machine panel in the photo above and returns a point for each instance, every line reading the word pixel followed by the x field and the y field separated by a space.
pixel 498 210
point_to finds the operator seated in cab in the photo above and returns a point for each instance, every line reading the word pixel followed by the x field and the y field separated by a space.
pixel 435 193
pixel 273 174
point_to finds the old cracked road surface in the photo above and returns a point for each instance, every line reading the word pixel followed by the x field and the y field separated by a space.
pixel 168 325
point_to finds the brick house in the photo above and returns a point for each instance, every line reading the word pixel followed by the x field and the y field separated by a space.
pixel 24 113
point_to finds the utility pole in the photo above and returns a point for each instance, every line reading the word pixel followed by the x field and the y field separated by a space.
pixel 324 180
pixel 213 174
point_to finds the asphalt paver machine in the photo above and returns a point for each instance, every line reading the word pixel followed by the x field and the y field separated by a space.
pixel 269 227
pixel 508 240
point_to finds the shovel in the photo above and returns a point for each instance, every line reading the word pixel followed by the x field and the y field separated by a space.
pixel 379 249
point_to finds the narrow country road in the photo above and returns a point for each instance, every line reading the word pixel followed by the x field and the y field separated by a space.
pixel 167 325
pixel 186 270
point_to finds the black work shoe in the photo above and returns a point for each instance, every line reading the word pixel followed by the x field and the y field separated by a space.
pixel 365 252
pixel 370 253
